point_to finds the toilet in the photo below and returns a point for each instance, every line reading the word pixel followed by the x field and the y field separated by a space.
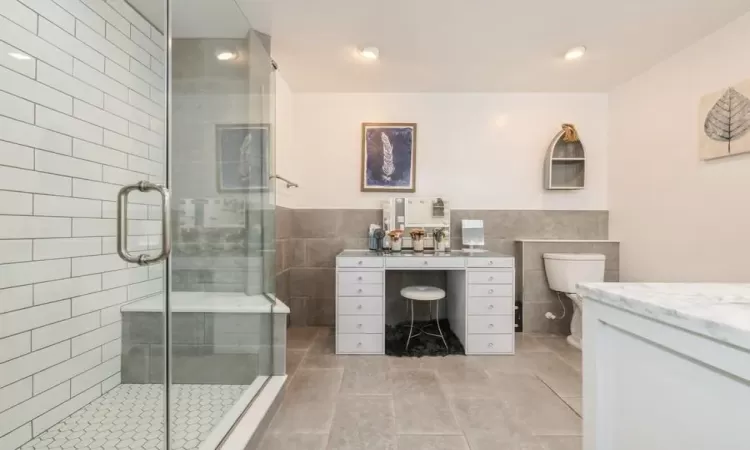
pixel 564 272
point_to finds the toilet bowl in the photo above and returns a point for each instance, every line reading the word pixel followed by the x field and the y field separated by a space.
pixel 564 272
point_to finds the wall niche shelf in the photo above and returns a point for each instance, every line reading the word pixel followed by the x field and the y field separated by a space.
pixel 565 164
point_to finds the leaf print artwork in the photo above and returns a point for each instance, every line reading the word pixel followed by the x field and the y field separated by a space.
pixel 388 166
pixel 729 118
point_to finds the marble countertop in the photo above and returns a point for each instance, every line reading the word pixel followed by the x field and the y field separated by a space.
pixel 410 254
pixel 717 310
pixel 590 241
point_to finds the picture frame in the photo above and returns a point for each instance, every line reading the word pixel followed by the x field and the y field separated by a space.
pixel 389 157
pixel 724 122
pixel 242 157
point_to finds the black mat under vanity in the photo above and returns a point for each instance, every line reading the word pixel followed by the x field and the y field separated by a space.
pixel 422 345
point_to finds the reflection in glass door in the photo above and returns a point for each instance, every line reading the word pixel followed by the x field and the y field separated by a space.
pixel 220 154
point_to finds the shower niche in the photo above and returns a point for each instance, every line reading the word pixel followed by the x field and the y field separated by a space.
pixel 565 164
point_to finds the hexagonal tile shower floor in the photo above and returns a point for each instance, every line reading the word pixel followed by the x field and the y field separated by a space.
pixel 130 416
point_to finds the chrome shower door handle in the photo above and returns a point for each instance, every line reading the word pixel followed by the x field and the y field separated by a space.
pixel 122 223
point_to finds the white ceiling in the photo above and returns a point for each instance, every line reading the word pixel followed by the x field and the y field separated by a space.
pixel 459 45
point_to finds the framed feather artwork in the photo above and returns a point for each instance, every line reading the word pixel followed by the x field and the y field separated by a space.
pixel 725 122
pixel 389 157
pixel 242 157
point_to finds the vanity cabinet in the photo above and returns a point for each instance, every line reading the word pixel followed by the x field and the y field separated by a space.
pixel 479 300
pixel 360 306
pixel 666 366
pixel 490 319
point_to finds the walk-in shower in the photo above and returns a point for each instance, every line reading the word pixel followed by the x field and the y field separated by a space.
pixel 97 351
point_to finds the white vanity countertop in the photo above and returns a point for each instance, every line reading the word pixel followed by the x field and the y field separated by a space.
pixel 590 241
pixel 720 311
pixel 429 254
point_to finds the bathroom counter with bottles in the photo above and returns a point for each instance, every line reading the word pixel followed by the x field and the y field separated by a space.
pixel 666 366
pixel 427 253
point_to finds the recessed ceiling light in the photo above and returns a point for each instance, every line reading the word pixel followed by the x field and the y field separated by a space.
pixel 226 56
pixel 575 53
pixel 21 56
pixel 370 53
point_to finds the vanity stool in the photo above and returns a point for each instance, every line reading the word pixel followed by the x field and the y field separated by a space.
pixel 424 294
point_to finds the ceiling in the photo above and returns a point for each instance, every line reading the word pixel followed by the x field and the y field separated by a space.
pixel 458 45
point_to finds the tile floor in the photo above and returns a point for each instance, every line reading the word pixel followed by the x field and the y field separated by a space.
pixel 130 417
pixel 529 401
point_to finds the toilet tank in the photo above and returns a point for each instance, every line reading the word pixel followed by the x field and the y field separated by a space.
pixel 565 270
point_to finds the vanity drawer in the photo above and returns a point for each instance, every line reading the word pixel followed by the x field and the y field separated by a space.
pixel 360 278
pixel 490 306
pixel 425 262
pixel 489 262
pixel 490 344
pixel 359 262
pixel 491 277
pixel 359 343
pixel 360 306
pixel 360 324
pixel 360 290
pixel 490 290
pixel 485 324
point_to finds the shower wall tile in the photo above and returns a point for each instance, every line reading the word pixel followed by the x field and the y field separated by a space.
pixel 213 348
pixel 55 309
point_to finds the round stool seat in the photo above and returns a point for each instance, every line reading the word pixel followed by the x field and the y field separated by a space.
pixel 423 293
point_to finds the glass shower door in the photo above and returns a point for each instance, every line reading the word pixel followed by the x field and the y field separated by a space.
pixel 220 312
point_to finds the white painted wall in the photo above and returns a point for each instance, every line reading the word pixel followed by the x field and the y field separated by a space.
pixel 480 151
pixel 679 219
pixel 285 161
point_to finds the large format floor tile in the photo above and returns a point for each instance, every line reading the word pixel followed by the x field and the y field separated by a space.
pixel 537 407
pixel 568 353
pixel 309 402
pixel 528 401
pixel 487 416
pixel 366 375
pixel 294 441
pixel 420 442
pixel 424 414
pixel 561 442
pixel 363 422
pixel 414 382
pixel 490 441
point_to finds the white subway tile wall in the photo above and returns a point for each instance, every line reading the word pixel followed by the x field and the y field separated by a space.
pixel 80 116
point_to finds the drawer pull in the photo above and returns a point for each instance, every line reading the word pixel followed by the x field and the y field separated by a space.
pixel 359 278
pixel 491 279
pixel 359 344
pixel 491 262
pixel 490 326
pixel 360 262
pixel 359 291
pixel 491 291
pixel 491 307
pixel 359 306
pixel 426 263
pixel 490 345
pixel 359 325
